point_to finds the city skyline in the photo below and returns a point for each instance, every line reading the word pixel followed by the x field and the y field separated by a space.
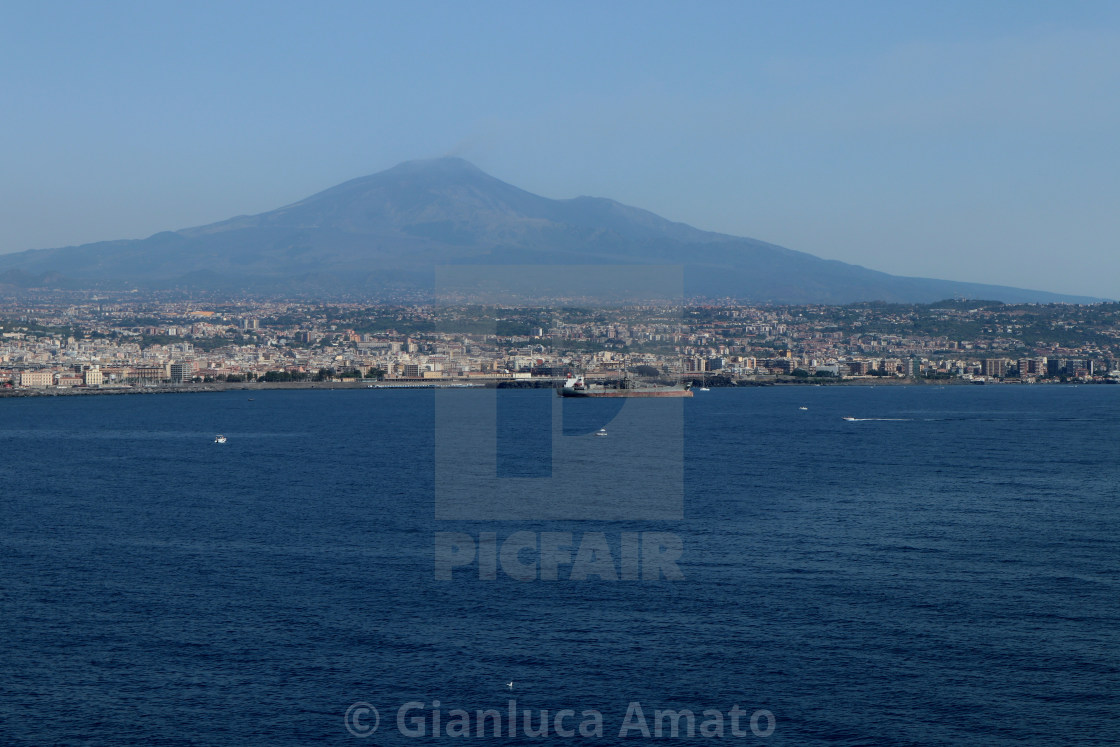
pixel 114 345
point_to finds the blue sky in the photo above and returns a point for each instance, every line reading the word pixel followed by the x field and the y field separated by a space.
pixel 970 141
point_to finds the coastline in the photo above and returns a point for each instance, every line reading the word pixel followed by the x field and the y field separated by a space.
pixel 216 386
pixel 254 386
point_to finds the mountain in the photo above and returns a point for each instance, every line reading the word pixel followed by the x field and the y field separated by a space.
pixel 386 233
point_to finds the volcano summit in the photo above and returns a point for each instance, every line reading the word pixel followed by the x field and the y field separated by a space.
pixel 385 234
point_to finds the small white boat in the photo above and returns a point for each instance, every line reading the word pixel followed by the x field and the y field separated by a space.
pixel 802 408
pixel 601 432
pixel 219 439
pixel 705 389
pixel 849 417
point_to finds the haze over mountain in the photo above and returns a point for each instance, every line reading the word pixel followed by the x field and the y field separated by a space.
pixel 386 233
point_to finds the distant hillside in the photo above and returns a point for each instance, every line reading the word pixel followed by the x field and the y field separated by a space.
pixel 387 232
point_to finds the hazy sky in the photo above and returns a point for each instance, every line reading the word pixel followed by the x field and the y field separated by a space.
pixel 973 141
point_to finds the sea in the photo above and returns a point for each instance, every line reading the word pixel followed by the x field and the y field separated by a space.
pixel 942 569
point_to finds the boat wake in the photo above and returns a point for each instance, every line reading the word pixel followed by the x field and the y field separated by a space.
pixel 897 420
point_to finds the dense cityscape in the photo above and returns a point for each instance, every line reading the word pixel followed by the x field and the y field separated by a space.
pixel 58 342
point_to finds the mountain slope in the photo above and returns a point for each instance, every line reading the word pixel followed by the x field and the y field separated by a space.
pixel 388 231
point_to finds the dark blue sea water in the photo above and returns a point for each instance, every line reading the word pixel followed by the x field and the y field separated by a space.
pixel 945 574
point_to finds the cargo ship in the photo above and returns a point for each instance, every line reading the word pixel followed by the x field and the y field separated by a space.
pixel 575 386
